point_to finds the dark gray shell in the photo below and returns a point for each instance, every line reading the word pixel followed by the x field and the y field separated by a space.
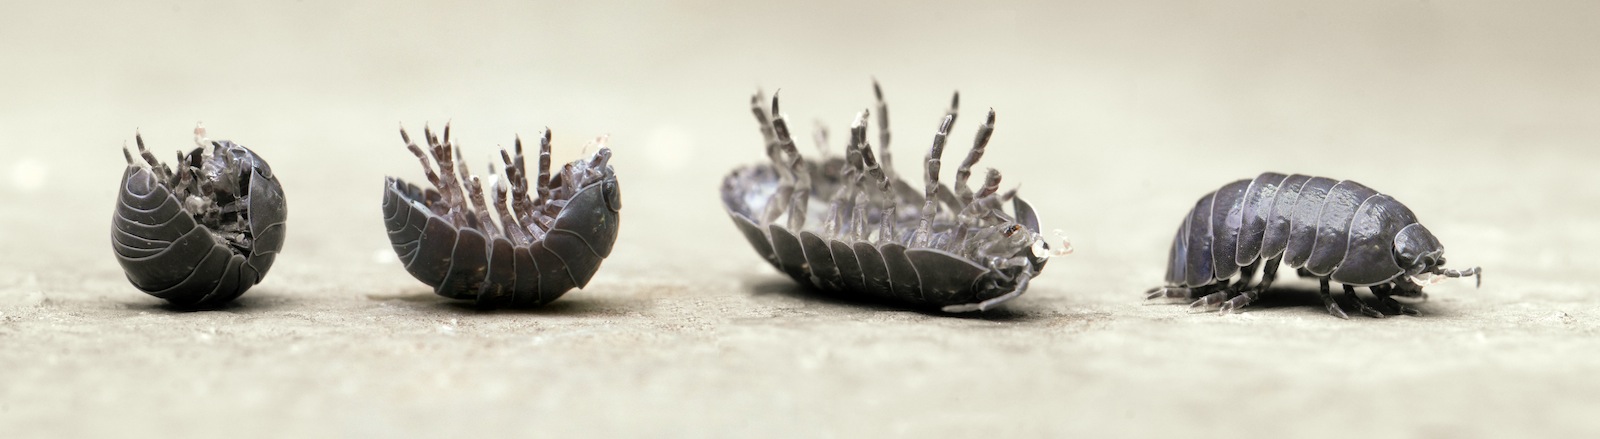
pixel 889 271
pixel 165 252
pixel 480 261
pixel 850 225
pixel 1337 229
pixel 461 263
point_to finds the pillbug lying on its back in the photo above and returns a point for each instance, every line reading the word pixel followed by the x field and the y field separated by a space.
pixel 1335 231
pixel 854 227
pixel 550 238
pixel 200 233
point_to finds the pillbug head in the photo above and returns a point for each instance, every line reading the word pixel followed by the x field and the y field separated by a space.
pixel 1422 257
pixel 1417 251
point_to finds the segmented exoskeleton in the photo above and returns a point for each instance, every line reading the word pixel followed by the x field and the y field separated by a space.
pixel 536 245
pixel 1335 231
pixel 850 225
pixel 200 233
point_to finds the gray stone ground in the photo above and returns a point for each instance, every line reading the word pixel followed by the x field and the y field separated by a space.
pixel 1113 119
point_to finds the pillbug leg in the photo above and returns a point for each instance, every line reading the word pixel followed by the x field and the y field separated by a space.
pixel 1269 273
pixel 156 167
pixel 859 223
pixel 930 183
pixel 964 172
pixel 1385 295
pixel 1246 293
pixel 515 207
pixel 543 182
pixel 872 174
pixel 1022 285
pixel 547 204
pixel 776 204
pixel 886 230
pixel 508 223
pixel 1168 293
pixel 1332 305
pixel 1361 305
pixel 1209 300
pixel 454 194
pixel 515 178
pixel 840 217
pixel 422 157
pixel 883 130
pixel 889 216
pixel 1246 274
pixel 479 206
pixel 980 208
pixel 840 210
pixel 1253 293
pixel 1238 303
pixel 923 236
pixel 1219 294
pixel 766 126
pixel 799 190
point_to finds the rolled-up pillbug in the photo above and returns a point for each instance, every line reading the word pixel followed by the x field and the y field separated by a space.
pixel 849 225
pixel 548 239
pixel 200 233
pixel 1331 230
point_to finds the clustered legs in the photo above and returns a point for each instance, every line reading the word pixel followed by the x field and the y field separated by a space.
pixel 209 183
pixel 961 220
pixel 525 212
pixel 1231 296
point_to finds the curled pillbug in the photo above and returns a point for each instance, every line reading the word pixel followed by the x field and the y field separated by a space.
pixel 849 225
pixel 200 233
pixel 549 237
pixel 1334 231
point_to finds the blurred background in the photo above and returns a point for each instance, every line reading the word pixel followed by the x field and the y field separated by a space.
pixel 1457 108
pixel 1113 117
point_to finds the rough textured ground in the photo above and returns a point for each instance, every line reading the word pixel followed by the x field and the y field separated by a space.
pixel 1113 119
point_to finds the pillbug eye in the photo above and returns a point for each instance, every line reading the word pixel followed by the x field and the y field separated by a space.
pixel 1012 230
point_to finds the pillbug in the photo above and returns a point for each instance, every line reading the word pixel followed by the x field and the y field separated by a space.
pixel 849 225
pixel 1334 231
pixel 200 233
pixel 541 241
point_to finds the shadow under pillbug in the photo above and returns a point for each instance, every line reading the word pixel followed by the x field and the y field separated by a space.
pixel 200 233
pixel 1335 231
pixel 852 226
pixel 546 242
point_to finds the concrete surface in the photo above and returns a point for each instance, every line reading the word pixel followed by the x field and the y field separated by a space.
pixel 1113 119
